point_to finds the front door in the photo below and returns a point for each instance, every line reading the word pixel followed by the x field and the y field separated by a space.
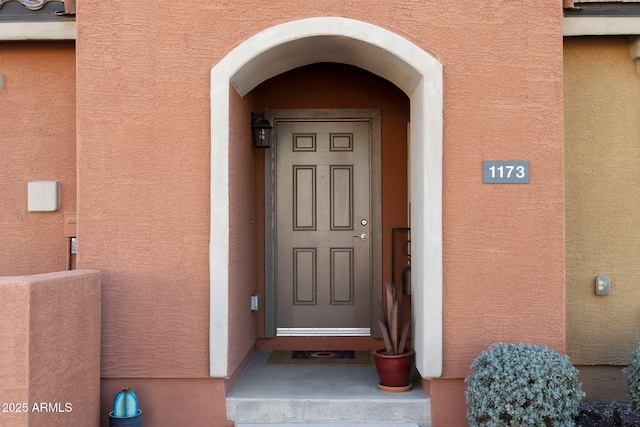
pixel 323 220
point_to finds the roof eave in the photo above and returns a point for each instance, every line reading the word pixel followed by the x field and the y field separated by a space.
pixel 32 31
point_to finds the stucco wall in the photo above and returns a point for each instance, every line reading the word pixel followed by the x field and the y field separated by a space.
pixel 143 169
pixel 602 127
pixel 50 352
pixel 243 277
pixel 503 244
pixel 37 142
pixel 170 402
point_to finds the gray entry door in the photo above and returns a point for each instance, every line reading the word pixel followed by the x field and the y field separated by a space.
pixel 323 220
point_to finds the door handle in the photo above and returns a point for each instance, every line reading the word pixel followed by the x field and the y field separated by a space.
pixel 363 236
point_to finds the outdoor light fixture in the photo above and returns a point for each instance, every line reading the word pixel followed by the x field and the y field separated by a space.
pixel 261 130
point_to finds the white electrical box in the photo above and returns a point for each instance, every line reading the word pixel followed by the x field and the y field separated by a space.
pixel 603 285
pixel 43 196
pixel 255 302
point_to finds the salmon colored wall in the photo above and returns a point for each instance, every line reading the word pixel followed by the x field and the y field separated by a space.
pixel 14 354
pixel 602 129
pixel 448 405
pixel 341 86
pixel 170 402
pixel 243 218
pixel 50 352
pixel 37 142
pixel 143 194
pixel 143 169
pixel 503 244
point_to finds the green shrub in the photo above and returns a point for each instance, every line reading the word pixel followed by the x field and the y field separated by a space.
pixel 522 385
pixel 633 379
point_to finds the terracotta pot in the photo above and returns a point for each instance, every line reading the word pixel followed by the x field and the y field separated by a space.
pixel 394 371
pixel 70 6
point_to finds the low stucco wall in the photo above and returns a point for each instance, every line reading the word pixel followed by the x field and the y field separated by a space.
pixel 50 352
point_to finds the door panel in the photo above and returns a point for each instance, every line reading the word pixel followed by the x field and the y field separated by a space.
pixel 323 276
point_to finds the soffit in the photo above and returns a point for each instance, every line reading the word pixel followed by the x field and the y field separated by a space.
pixel 35 20
pixel 332 48
pixel 35 11
pixel 602 8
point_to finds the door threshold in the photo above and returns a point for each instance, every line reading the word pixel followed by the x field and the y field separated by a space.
pixel 323 332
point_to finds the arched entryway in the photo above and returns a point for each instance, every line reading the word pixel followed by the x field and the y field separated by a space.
pixel 340 40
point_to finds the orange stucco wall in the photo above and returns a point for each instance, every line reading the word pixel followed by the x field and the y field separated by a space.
pixel 37 142
pixel 170 402
pixel 243 218
pixel 143 174
pixel 50 352
pixel 448 405
pixel 602 130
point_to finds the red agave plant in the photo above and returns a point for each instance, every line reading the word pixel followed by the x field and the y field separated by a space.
pixel 393 333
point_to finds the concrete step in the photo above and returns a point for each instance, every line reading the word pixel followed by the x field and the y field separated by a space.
pixel 339 396
pixel 330 425
pixel 318 411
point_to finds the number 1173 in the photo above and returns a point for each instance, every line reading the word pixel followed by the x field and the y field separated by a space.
pixel 506 171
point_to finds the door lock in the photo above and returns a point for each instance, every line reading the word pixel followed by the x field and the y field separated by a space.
pixel 363 236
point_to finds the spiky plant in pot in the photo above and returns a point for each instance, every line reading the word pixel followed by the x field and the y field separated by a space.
pixel 394 335
pixel 393 362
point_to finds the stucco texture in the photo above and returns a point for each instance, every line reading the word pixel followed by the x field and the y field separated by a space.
pixel 243 263
pixel 143 166
pixel 37 142
pixel 602 126
pixel 50 353
pixel 144 157
pixel 170 402
pixel 503 244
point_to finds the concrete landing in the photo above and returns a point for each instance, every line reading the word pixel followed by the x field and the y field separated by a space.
pixel 330 425
pixel 322 396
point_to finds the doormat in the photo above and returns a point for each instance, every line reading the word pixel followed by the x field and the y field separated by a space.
pixel 321 358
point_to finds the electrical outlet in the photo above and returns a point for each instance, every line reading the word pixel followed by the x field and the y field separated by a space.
pixel 255 302
pixel 603 285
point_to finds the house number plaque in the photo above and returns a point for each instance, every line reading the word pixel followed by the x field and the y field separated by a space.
pixel 505 171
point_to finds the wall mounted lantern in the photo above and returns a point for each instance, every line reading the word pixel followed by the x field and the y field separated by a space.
pixel 261 131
